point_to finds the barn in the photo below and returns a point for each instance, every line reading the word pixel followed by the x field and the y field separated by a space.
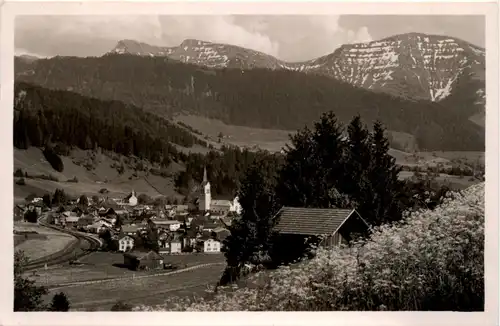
pixel 142 260
pixel 299 227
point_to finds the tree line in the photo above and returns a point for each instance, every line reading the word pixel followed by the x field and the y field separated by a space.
pixel 257 97
pixel 225 168
pixel 43 116
pixel 327 166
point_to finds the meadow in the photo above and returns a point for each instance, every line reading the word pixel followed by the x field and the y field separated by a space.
pixel 103 176
pixel 39 247
pixel 147 290
pixel 108 265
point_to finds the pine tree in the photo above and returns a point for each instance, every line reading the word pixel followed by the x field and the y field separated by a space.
pixel 60 302
pixel 296 186
pixel 47 200
pixel 27 295
pixel 384 205
pixel 357 163
pixel 329 159
pixel 250 238
pixel 314 166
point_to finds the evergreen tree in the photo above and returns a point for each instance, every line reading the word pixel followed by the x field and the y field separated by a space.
pixel 59 302
pixel 27 295
pixel 297 177
pixel 384 204
pixel 251 235
pixel 59 197
pixel 329 160
pixel 47 200
pixel 83 201
pixel 150 239
pixel 357 162
pixel 314 166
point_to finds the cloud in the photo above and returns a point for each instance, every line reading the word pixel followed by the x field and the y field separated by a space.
pixel 219 29
pixel 288 37
pixel 360 36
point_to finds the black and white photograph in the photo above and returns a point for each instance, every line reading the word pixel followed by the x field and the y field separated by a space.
pixel 251 162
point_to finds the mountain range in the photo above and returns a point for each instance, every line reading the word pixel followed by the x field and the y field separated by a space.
pixel 423 85
pixel 413 65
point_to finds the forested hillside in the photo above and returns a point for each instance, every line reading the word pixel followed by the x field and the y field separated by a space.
pixel 256 97
pixel 43 116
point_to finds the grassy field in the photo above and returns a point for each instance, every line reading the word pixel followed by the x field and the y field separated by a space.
pixel 269 139
pixel 32 161
pixel 151 290
pixel 455 182
pixel 38 248
pixel 107 265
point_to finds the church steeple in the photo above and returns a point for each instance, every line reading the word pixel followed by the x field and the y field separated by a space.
pixel 206 198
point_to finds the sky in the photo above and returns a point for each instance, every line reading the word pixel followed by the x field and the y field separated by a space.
pixel 289 38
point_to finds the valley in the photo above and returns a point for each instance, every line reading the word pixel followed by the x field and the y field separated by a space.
pixel 178 162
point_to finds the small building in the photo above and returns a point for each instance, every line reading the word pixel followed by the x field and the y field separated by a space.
pixel 334 226
pixel 140 260
pixel 170 225
pixel 125 243
pixel 100 225
pixel 208 244
pixel 36 206
pixel 84 221
pixel 220 234
pixel 220 206
pixel 70 220
pixel 130 229
pixel 181 208
pixel 19 212
pixel 175 246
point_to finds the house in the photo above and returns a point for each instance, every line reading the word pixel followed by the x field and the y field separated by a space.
pixel 220 233
pixel 207 243
pixel 332 226
pixel 19 212
pixel 69 219
pixel 36 206
pixel 100 225
pixel 181 208
pixel 140 260
pixel 84 221
pixel 125 243
pixel 130 229
pixel 175 246
pixel 167 224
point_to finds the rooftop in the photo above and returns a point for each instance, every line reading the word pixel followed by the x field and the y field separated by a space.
pixel 311 221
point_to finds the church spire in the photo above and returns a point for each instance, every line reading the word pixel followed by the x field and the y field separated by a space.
pixel 205 179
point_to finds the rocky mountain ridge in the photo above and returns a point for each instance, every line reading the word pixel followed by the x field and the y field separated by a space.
pixel 413 65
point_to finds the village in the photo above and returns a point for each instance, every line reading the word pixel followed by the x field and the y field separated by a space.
pixel 122 225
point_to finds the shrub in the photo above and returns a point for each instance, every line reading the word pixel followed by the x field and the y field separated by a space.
pixel 431 260
pixel 103 191
pixel 21 182
pixel 19 173
pixel 54 159
pixel 59 302
pixel 121 306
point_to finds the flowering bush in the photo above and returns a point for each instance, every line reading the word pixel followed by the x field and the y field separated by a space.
pixel 431 260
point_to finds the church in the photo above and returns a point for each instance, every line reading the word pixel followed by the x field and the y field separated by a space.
pixel 216 206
